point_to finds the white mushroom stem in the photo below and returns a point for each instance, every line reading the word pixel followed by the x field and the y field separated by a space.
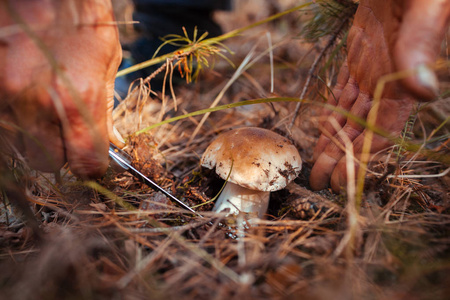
pixel 239 199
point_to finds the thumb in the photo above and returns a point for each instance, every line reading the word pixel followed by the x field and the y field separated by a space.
pixel 114 135
pixel 421 32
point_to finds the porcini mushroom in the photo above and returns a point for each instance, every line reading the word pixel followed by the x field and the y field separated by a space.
pixel 260 161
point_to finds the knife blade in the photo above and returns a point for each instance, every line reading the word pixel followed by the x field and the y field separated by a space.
pixel 124 161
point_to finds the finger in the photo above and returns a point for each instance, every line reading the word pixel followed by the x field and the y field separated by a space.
pixel 323 168
pixel 85 136
pixel 341 82
pixel 421 33
pixel 80 104
pixel 346 100
pixel 114 135
pixel 86 132
pixel 340 176
pixel 333 99
pixel 327 160
pixel 391 118
pixel 325 164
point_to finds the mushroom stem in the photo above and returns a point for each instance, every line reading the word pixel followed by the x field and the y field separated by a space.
pixel 239 199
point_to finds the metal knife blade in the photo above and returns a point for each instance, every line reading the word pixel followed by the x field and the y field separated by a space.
pixel 124 161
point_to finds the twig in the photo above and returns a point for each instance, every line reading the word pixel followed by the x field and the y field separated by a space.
pixel 166 230
pixel 442 174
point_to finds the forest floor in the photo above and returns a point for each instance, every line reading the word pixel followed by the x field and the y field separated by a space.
pixel 116 238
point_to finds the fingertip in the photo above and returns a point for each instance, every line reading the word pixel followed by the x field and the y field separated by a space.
pixel 316 183
pixel 321 172
pixel 87 164
pixel 115 137
pixel 420 36
pixel 422 84
pixel 87 147
pixel 428 80
pixel 339 178
pixel 335 183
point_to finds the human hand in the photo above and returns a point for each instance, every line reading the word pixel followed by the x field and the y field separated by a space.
pixel 57 82
pixel 386 36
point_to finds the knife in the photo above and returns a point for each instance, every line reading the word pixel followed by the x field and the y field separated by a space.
pixel 124 161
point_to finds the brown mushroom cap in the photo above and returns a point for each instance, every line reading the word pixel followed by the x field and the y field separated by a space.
pixel 262 159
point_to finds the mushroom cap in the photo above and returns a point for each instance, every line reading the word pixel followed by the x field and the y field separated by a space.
pixel 259 159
